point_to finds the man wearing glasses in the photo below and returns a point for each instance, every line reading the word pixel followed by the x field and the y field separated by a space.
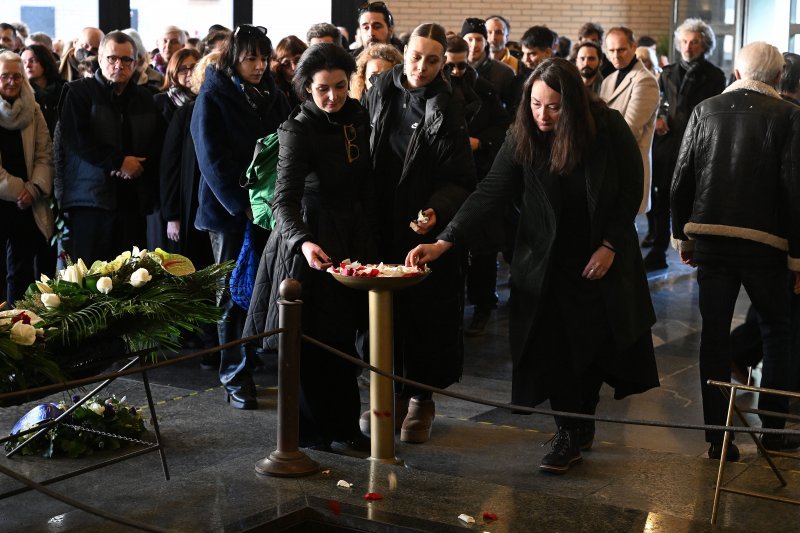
pixel 110 136
pixel 376 26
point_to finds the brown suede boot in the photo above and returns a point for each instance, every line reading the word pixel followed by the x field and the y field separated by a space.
pixel 417 425
pixel 400 412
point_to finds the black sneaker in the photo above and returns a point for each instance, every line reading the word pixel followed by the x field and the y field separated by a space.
pixel 780 443
pixel 715 452
pixel 564 452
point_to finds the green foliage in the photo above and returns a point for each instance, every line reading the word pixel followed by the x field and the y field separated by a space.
pixel 96 425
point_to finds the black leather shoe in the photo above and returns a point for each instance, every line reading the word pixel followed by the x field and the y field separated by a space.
pixel 655 261
pixel 648 240
pixel 210 361
pixel 242 396
pixel 359 443
pixel 715 452
pixel 780 443
pixel 477 326
pixel 564 452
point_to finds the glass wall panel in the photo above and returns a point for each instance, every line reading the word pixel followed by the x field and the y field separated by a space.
pixel 60 19
pixel 290 18
pixel 194 16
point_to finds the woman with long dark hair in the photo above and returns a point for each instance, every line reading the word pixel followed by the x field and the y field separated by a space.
pixel 424 170
pixel 324 207
pixel 580 309
pixel 237 105
pixel 41 70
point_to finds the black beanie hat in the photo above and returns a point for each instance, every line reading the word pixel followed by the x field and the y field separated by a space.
pixel 474 25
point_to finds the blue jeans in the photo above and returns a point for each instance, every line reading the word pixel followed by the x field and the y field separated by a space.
pixel 234 370
pixel 719 288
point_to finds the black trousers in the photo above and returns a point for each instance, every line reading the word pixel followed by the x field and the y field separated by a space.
pixel 20 239
pixel 100 234
pixel 482 280
pixel 719 289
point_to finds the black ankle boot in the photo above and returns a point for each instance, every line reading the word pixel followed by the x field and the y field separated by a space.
pixel 564 452
pixel 242 396
pixel 585 435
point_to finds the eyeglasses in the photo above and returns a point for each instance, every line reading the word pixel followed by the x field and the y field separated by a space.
pixel 186 69
pixel 349 137
pixel 8 78
pixel 460 65
pixel 249 29
pixel 126 61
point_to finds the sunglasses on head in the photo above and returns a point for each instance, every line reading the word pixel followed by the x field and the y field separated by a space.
pixel 248 28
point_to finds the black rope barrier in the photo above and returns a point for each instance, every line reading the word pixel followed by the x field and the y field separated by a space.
pixel 537 411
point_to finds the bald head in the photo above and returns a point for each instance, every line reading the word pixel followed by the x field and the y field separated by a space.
pixel 90 39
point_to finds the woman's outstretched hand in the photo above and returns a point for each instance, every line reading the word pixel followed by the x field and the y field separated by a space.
pixel 426 253
pixel 315 257
pixel 599 263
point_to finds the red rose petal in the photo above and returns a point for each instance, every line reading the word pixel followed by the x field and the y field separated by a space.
pixel 334 507
pixel 489 517
pixel 373 496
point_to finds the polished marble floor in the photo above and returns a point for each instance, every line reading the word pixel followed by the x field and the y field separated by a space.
pixel 479 459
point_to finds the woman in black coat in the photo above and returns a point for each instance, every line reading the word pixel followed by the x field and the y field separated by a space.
pixel 324 209
pixel 580 309
pixel 423 163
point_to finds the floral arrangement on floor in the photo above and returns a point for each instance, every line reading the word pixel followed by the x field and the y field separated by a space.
pixel 97 425
pixel 140 300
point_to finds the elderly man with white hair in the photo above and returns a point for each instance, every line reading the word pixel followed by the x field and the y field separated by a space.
pixel 736 216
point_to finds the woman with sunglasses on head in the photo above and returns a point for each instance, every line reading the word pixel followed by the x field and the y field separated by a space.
pixel 424 170
pixel 237 105
pixel 580 309
pixel 324 207
pixel 284 62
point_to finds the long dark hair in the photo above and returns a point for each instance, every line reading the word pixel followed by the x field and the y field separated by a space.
pixel 322 56
pixel 431 30
pixel 575 130
pixel 246 38
pixel 45 58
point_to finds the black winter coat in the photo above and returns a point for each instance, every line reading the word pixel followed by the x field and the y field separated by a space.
pixel 678 99
pixel 614 180
pixel 438 172
pixel 323 197
pixel 737 171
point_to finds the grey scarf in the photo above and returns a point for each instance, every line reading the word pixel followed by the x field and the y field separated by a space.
pixel 17 115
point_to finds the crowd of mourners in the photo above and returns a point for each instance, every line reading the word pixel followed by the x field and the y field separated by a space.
pixel 452 148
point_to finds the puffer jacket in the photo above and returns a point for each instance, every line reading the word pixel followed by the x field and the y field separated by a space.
pixel 737 171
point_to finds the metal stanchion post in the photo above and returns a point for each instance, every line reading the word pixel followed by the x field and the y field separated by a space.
pixel 287 460
pixel 381 389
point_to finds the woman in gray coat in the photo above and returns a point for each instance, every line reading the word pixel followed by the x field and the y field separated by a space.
pixel 580 307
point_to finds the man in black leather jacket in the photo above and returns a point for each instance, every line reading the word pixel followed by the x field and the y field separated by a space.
pixel 736 215
pixel 683 85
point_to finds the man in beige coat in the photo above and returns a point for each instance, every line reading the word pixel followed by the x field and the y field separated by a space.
pixel 633 91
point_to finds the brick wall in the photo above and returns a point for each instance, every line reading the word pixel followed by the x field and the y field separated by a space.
pixel 644 17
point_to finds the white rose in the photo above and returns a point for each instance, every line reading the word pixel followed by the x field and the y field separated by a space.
pixel 81 266
pixel 96 408
pixel 140 277
pixel 50 301
pixel 104 285
pixel 23 334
